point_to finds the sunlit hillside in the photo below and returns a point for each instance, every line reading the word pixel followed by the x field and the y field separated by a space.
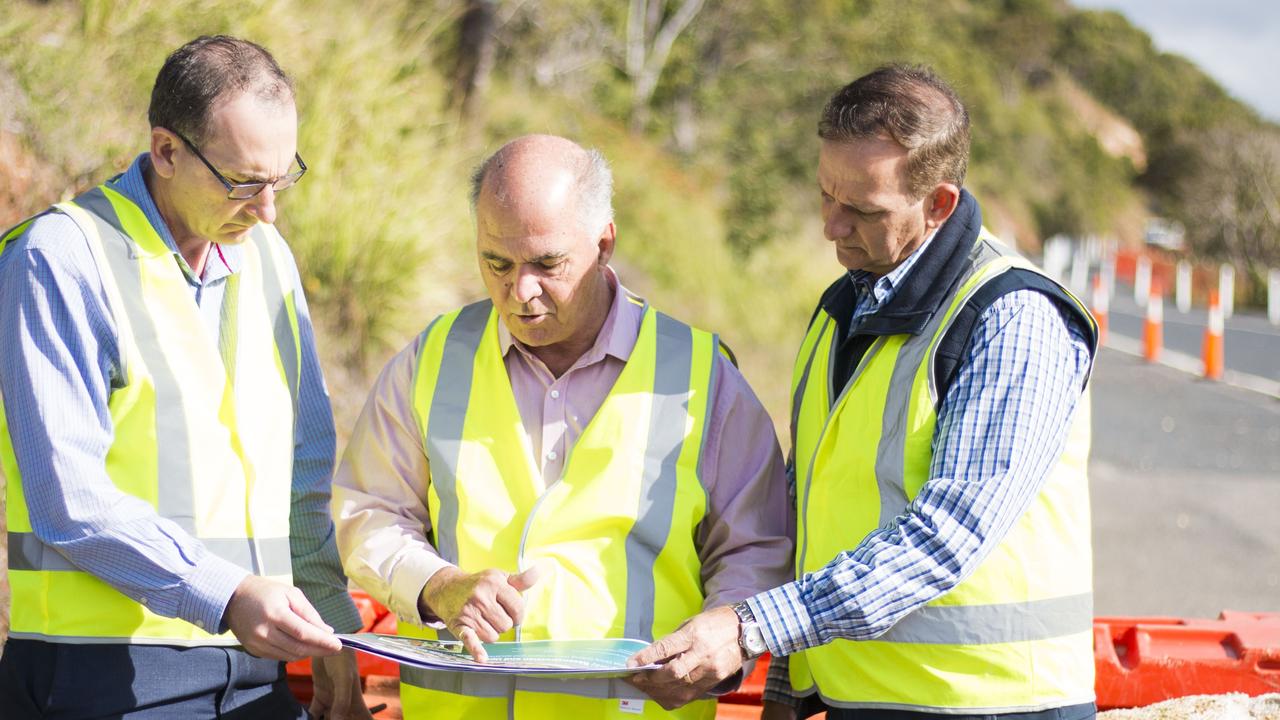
pixel 708 119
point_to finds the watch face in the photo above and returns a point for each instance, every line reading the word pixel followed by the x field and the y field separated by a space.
pixel 752 640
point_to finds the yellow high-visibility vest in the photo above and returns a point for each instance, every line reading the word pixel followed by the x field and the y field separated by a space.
pixel 1016 635
pixel 203 428
pixel 613 537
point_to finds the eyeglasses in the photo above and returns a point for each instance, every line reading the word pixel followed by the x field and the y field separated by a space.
pixel 246 191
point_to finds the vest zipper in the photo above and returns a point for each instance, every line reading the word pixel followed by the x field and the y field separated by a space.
pixel 528 523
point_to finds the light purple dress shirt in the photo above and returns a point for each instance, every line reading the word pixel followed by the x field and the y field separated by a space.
pixel 380 490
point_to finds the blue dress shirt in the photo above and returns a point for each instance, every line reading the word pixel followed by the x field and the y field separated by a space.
pixel 1000 429
pixel 60 364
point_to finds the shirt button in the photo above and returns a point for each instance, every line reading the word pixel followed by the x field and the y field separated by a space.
pixel 200 624
pixel 142 600
pixel 552 455
pixel 555 394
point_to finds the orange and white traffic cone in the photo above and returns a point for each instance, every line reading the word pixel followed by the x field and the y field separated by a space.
pixel 1100 304
pixel 1153 327
pixel 1213 340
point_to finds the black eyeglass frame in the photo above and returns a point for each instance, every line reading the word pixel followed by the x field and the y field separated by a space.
pixel 231 187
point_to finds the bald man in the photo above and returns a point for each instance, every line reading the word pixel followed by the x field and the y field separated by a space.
pixel 558 461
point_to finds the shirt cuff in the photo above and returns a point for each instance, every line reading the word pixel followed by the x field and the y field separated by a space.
pixel 209 588
pixel 784 620
pixel 407 582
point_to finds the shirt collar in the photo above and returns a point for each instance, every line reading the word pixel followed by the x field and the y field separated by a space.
pixel 886 286
pixel 617 337
pixel 222 260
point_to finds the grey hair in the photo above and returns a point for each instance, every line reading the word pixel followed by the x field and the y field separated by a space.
pixel 593 183
pixel 595 191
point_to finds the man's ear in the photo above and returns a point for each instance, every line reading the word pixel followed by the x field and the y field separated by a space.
pixel 164 146
pixel 605 243
pixel 940 203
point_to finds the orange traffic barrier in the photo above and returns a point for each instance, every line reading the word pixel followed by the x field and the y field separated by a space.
pixel 1153 327
pixel 1100 305
pixel 379 677
pixel 1214 360
pixel 1141 661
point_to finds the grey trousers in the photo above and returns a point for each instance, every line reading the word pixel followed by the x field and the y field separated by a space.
pixel 67 681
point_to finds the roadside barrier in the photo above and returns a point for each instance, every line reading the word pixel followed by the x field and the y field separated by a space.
pixel 379 677
pixel 1227 289
pixel 1182 287
pixel 1142 280
pixel 1141 661
pixel 1214 353
pixel 1153 326
pixel 1100 304
pixel 1273 297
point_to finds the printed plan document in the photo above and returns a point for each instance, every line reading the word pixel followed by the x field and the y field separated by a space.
pixel 543 658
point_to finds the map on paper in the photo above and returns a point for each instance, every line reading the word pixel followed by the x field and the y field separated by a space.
pixel 552 658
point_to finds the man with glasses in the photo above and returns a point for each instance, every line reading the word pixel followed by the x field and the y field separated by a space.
pixel 166 435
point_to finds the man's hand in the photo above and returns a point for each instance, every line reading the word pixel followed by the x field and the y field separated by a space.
pixel 337 688
pixel 273 620
pixel 479 607
pixel 698 655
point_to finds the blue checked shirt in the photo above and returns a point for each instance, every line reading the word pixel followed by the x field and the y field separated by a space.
pixel 1001 428
pixel 60 365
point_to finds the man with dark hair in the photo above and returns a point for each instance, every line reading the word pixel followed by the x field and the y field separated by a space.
pixel 166 435
pixel 940 431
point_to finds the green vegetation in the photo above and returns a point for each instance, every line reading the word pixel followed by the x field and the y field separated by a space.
pixel 710 131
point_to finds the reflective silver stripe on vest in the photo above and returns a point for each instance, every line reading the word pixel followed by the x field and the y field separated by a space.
pixel 798 395
pixel 667 419
pixel 278 300
pixel 175 499
pixel 717 357
pixel 449 402
pixel 987 624
pixel 505 686
pixel 28 552
pixel 891 452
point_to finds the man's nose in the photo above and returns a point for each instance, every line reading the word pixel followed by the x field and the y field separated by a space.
pixel 837 225
pixel 526 285
pixel 263 205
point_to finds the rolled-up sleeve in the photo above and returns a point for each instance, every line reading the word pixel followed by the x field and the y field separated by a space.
pixel 379 495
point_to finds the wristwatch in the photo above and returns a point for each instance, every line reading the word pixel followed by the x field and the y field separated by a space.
pixel 750 638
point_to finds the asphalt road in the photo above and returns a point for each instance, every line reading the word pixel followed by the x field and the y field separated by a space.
pixel 1185 483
